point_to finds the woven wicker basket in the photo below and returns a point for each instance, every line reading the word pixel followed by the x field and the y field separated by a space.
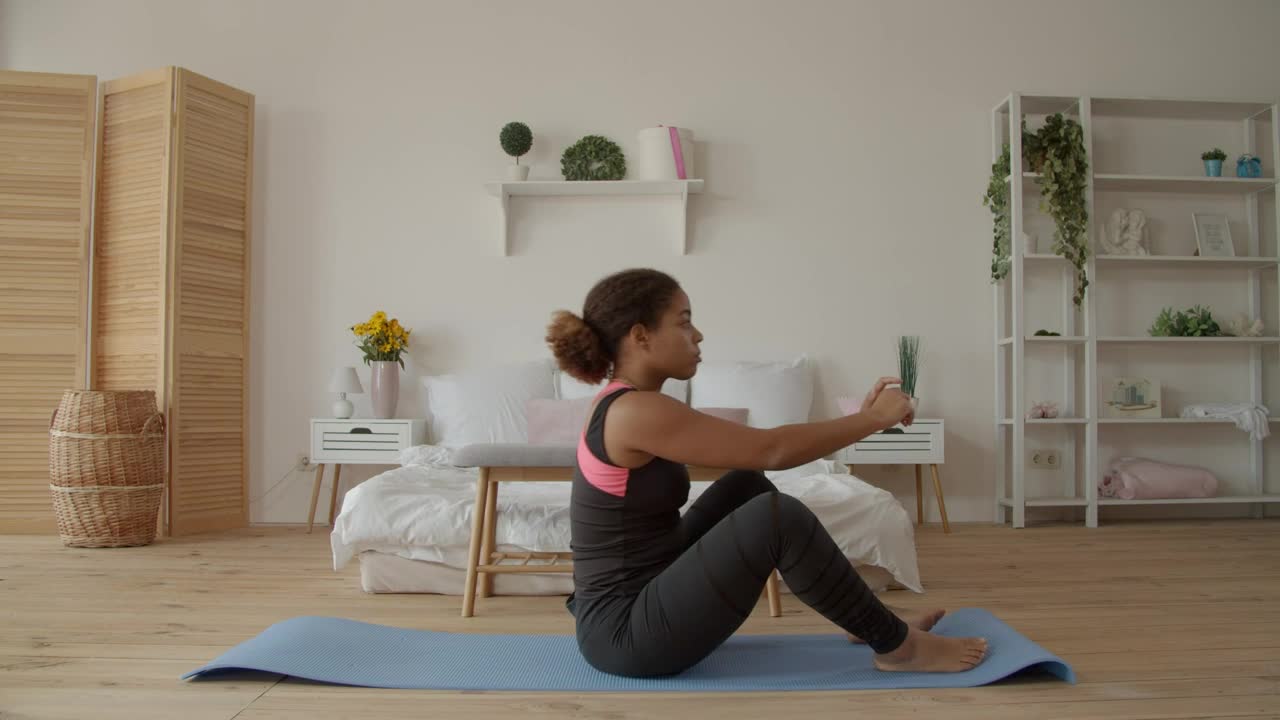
pixel 106 467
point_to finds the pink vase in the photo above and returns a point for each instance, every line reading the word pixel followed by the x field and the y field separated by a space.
pixel 384 387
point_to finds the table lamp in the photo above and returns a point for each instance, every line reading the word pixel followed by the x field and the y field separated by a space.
pixel 344 381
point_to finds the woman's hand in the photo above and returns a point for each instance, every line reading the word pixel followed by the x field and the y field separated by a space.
pixel 888 406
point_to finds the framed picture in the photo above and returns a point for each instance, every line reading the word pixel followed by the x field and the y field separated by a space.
pixel 1131 398
pixel 1213 235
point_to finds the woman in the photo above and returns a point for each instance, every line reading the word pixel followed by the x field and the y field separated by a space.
pixel 655 593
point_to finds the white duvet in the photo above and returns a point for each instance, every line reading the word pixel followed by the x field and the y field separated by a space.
pixel 423 512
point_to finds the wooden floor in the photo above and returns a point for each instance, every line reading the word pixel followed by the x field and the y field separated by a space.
pixel 1178 620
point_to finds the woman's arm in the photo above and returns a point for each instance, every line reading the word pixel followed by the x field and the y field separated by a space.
pixel 640 425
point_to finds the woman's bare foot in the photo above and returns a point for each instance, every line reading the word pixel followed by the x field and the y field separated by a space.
pixel 926 652
pixel 918 619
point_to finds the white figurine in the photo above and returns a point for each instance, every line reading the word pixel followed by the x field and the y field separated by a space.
pixel 1127 233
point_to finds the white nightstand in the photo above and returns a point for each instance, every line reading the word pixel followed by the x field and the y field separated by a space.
pixel 919 445
pixel 357 441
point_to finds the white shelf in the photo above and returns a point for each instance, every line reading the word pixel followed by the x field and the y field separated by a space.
pixel 1049 340
pixel 1185 261
pixel 1169 421
pixel 580 188
pixel 1255 125
pixel 1224 500
pixel 1049 421
pixel 1145 340
pixel 682 189
pixel 1173 109
pixel 1049 502
pixel 1172 184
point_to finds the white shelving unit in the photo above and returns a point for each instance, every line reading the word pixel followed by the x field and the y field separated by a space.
pixel 1079 344
pixel 682 189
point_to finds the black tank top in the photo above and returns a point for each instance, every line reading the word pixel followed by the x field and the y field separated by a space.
pixel 620 542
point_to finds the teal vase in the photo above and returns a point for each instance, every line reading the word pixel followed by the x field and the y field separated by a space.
pixel 1213 168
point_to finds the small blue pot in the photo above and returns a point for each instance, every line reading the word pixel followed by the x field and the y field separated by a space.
pixel 1213 168
pixel 1249 167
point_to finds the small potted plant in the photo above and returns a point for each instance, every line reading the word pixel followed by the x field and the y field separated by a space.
pixel 909 367
pixel 516 139
pixel 1213 162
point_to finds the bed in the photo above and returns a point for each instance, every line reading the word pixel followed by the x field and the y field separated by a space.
pixel 409 528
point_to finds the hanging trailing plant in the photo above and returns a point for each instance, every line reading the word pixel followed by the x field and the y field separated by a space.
pixel 1056 152
pixel 1063 180
pixel 997 198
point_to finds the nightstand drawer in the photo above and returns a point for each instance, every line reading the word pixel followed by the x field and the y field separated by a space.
pixel 362 441
pixel 922 443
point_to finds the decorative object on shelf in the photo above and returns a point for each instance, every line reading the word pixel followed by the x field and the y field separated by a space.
pixel 1127 233
pixel 1249 166
pixel 593 158
pixel 1136 478
pixel 343 381
pixel 1213 162
pixel 1132 398
pixel 1043 409
pixel 1193 322
pixel 666 153
pixel 1056 153
pixel 1213 235
pixel 516 139
pixel 1241 326
pixel 909 367
pixel 1047 333
pixel 383 342
pixel 1253 419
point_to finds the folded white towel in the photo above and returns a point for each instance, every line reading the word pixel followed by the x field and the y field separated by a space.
pixel 1253 419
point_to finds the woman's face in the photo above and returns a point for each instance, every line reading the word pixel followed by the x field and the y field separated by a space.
pixel 673 345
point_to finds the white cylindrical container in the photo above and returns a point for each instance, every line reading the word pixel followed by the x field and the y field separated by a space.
pixel 660 156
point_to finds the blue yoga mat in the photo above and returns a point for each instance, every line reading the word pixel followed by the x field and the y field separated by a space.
pixel 346 652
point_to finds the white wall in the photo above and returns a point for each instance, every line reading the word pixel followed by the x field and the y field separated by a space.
pixel 845 147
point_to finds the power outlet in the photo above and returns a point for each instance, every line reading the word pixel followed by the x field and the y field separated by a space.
pixel 1044 459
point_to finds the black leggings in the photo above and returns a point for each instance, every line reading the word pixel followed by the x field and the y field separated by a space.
pixel 735 534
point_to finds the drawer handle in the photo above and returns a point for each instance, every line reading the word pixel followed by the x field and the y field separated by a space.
pixel 360 431
pixel 894 431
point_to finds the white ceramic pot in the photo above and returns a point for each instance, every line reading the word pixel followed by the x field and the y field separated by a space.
pixel 518 173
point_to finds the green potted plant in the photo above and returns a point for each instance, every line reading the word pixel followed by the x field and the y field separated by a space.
pixel 909 367
pixel 1213 162
pixel 516 139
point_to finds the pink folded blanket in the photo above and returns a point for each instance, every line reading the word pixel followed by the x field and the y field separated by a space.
pixel 1131 478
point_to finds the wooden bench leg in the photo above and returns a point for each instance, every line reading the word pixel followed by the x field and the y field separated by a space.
pixel 942 505
pixel 919 497
pixel 473 552
pixel 771 589
pixel 489 545
pixel 315 496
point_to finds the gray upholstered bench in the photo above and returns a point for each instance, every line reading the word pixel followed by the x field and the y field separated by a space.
pixel 500 463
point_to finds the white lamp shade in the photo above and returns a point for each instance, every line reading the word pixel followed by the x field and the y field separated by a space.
pixel 345 380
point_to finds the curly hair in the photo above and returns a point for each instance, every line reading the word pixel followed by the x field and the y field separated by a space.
pixel 586 347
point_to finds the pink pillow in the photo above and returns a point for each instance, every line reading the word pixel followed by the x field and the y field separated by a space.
pixel 557 422
pixel 1142 479
pixel 738 415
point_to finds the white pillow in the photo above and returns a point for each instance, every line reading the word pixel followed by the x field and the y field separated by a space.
pixel 570 388
pixel 486 405
pixel 774 393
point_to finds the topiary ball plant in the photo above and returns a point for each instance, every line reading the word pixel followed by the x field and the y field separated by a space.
pixel 516 139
